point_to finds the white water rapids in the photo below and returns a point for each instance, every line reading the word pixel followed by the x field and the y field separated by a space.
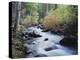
pixel 38 46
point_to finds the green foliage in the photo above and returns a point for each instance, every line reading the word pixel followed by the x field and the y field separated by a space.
pixel 31 7
pixel 63 16
pixel 30 14
pixel 53 17
pixel 18 49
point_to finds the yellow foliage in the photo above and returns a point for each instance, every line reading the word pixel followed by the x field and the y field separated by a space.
pixel 62 15
pixel 27 21
pixel 51 22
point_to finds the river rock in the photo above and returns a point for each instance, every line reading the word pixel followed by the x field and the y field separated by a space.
pixel 40 26
pixel 54 32
pixel 51 48
pixel 34 35
pixel 46 30
pixel 28 52
pixel 46 39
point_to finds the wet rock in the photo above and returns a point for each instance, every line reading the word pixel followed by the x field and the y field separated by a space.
pixel 46 30
pixel 50 48
pixel 29 42
pixel 30 38
pixel 46 39
pixel 70 42
pixel 54 32
pixel 58 31
pixel 24 33
pixel 41 55
pixel 40 26
pixel 30 32
pixel 33 43
pixel 34 35
pixel 26 36
pixel 28 52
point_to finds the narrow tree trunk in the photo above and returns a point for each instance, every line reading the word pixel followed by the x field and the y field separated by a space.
pixel 16 14
pixel 47 9
pixel 19 13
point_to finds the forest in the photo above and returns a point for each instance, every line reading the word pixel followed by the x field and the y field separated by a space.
pixel 42 29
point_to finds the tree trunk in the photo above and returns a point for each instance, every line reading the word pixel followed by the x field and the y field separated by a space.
pixel 46 9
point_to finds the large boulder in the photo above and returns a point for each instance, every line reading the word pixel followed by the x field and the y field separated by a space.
pixel 30 32
pixel 70 42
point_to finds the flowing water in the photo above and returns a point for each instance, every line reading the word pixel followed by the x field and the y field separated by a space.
pixel 47 45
